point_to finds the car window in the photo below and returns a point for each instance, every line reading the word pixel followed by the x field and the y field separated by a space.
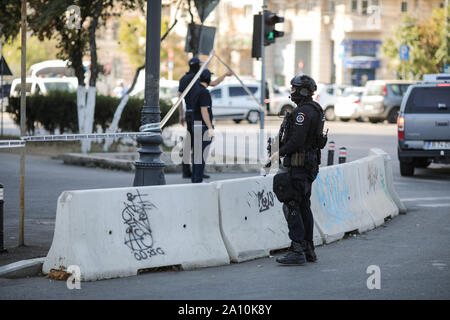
pixel 216 93
pixel 374 90
pixel 240 91
pixel 62 86
pixel 404 88
pixel 340 91
pixel 396 89
pixel 17 88
pixel 428 100
pixel 330 90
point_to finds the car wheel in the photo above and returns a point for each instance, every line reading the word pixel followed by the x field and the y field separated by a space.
pixel 253 116
pixel 374 120
pixel 392 116
pixel 406 169
pixel 285 109
pixel 360 119
pixel 345 119
pixel 329 114
pixel 237 120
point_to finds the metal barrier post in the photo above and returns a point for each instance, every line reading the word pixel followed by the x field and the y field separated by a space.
pixel 330 160
pixel 342 154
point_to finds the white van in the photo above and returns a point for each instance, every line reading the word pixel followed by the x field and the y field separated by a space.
pixel 46 76
pixel 43 85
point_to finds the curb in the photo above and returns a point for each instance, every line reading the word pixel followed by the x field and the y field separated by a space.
pixel 22 269
pixel 125 162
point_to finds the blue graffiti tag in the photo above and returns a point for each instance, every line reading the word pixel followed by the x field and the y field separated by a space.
pixel 334 196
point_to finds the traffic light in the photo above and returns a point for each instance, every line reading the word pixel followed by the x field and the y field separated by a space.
pixel 256 44
pixel 270 34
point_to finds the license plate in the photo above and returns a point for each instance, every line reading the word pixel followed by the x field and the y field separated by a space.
pixel 435 145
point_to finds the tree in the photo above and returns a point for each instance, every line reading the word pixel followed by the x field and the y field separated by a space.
pixel 49 19
pixel 428 42
pixel 37 51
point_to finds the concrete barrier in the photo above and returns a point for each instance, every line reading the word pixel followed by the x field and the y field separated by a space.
pixel 337 203
pixel 372 176
pixel 389 178
pixel 115 232
pixel 251 218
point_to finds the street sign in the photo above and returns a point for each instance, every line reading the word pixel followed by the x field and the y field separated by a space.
pixel 447 68
pixel 4 68
pixel 404 52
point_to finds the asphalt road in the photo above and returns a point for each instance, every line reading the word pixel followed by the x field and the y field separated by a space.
pixel 411 250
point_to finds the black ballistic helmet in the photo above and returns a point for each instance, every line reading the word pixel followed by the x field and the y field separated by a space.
pixel 304 87
pixel 205 76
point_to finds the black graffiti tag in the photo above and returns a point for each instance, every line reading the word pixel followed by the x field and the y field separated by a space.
pixel 265 200
pixel 138 236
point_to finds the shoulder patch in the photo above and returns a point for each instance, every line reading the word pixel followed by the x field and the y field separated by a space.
pixel 300 118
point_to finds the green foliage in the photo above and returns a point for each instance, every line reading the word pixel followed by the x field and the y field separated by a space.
pixel 58 110
pixel 428 42
pixel 37 51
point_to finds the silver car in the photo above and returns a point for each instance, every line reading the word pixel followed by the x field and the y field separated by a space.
pixel 424 126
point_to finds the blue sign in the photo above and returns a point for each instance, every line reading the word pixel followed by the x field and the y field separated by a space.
pixel 170 65
pixel 361 62
pixel 404 52
pixel 447 68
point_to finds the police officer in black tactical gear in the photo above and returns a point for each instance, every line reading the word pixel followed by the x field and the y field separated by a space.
pixel 194 67
pixel 300 146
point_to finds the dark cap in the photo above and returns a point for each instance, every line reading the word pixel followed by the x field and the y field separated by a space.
pixel 194 60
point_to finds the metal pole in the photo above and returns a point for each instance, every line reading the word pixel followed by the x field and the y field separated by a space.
pixel 330 160
pixel 1 78
pixel 342 155
pixel 2 248
pixel 23 90
pixel 149 167
pixel 263 84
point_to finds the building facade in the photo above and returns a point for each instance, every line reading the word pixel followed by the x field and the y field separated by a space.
pixel 338 41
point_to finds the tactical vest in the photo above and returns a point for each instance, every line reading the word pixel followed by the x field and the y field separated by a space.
pixel 309 155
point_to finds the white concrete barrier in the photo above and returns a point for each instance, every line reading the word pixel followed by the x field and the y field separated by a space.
pixel 372 176
pixel 337 203
pixel 115 232
pixel 389 178
pixel 251 218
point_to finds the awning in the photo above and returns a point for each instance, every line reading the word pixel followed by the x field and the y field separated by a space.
pixel 361 62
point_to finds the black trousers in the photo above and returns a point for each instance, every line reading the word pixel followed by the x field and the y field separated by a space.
pixel 298 212
pixel 199 145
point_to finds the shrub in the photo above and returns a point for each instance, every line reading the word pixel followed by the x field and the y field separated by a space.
pixel 58 110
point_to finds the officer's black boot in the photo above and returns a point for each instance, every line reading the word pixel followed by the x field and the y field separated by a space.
pixel 295 256
pixel 308 249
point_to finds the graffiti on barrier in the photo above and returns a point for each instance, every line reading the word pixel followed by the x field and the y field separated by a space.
pixel 138 234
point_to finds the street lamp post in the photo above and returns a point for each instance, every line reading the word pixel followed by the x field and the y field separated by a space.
pixel 149 167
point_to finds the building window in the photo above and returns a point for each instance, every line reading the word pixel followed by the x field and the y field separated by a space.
pixel 364 7
pixel 442 5
pixel 375 3
pixel 332 6
pixel 404 6
pixel 354 6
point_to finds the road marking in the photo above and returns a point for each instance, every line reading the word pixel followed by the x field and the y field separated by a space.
pixel 435 205
pixel 425 199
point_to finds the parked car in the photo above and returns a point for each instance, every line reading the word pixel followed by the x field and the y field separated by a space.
pixel 168 89
pixel 382 98
pixel 280 103
pixel 35 85
pixel 326 95
pixel 424 126
pixel 347 105
pixel 231 101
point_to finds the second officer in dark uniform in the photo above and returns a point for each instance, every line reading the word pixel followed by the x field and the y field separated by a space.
pixel 300 146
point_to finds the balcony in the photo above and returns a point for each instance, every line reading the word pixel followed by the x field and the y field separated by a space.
pixel 364 23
